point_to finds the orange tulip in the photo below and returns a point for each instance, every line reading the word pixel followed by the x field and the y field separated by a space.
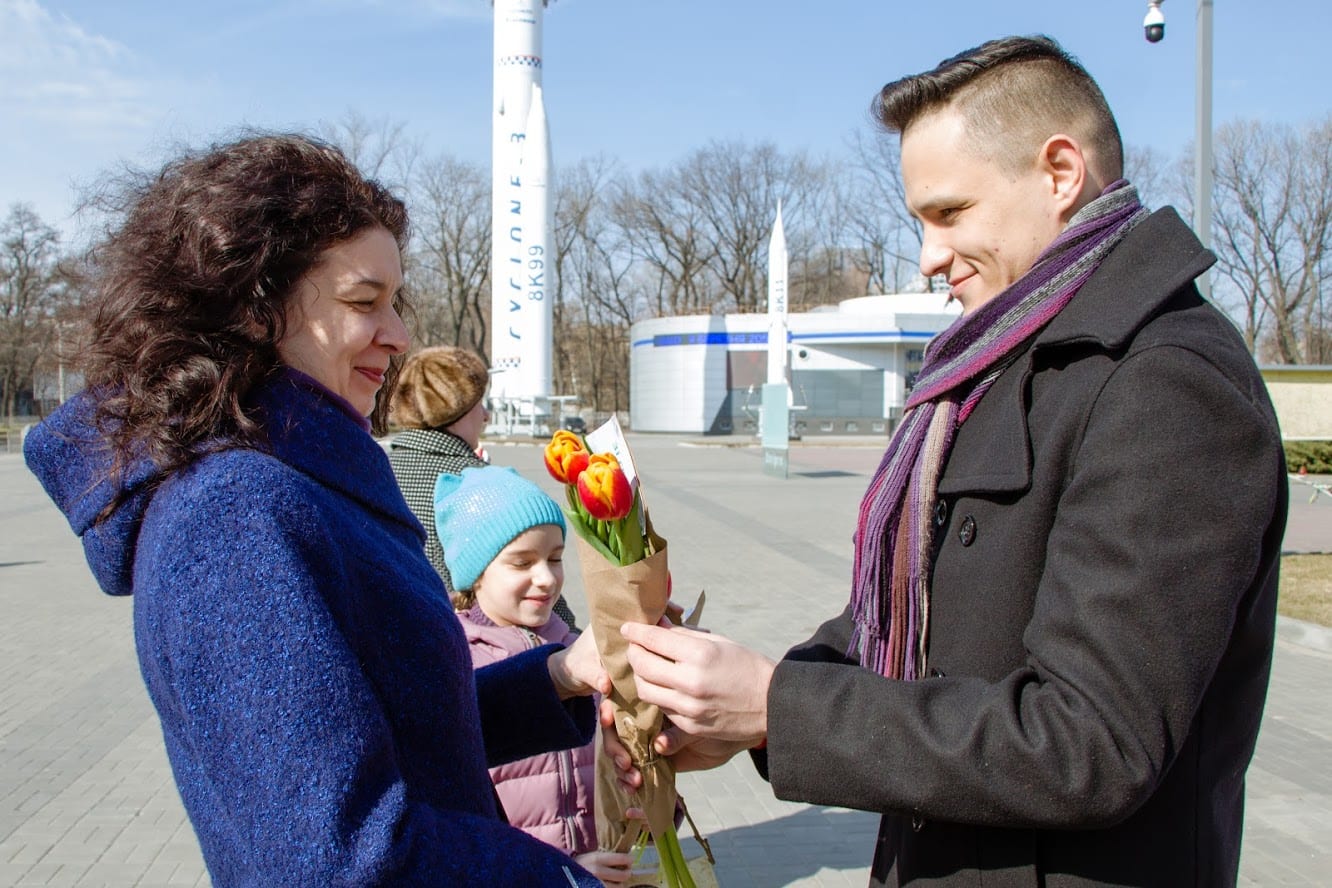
pixel 603 488
pixel 566 457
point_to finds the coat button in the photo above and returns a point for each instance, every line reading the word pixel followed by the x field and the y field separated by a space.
pixel 967 532
pixel 941 513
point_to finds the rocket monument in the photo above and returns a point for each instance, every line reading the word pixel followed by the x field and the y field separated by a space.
pixel 522 210
pixel 775 417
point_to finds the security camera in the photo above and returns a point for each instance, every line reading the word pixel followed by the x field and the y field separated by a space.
pixel 1153 25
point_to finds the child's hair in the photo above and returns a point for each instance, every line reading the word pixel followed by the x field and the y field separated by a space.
pixel 464 600
pixel 480 512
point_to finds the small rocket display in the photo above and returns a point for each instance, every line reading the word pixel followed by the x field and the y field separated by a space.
pixel 775 416
pixel 777 307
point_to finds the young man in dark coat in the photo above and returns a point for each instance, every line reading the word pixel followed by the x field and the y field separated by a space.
pixel 1053 665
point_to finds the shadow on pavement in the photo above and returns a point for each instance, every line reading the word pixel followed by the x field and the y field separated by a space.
pixel 811 839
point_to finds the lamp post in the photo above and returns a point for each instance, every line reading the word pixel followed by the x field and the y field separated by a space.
pixel 1154 28
pixel 1202 169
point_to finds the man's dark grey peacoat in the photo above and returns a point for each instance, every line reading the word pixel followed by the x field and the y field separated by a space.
pixel 1101 617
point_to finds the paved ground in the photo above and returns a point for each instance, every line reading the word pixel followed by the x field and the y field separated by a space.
pixel 86 796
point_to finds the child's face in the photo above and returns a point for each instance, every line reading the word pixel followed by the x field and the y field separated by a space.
pixel 522 584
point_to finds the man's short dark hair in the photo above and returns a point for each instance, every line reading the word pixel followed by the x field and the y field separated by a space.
pixel 1014 93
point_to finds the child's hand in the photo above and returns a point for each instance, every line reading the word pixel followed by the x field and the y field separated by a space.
pixel 577 670
pixel 629 777
pixel 610 867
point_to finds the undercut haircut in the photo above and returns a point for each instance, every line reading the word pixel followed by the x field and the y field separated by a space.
pixel 1013 94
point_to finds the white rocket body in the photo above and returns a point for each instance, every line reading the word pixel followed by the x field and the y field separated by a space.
pixel 521 315
pixel 778 350
pixel 537 316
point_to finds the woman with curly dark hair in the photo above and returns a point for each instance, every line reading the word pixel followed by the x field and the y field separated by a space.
pixel 315 689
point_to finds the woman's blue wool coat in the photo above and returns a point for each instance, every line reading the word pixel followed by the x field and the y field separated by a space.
pixel 315 690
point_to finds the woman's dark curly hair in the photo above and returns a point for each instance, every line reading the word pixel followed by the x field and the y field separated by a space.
pixel 191 290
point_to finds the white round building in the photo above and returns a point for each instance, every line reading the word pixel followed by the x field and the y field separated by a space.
pixel 851 366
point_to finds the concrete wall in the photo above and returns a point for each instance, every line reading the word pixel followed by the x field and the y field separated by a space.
pixel 1302 396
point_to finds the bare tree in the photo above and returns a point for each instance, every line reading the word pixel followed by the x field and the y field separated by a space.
pixel 1273 222
pixel 31 289
pixel 692 237
pixel 736 188
pixel 1157 178
pixel 594 303
pixel 824 268
pixel 665 231
pixel 379 148
pixel 886 238
pixel 449 271
pixel 1314 227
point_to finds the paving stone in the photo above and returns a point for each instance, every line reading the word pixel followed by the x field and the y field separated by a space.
pixel 87 798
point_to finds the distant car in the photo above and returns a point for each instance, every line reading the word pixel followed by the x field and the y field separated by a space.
pixel 575 424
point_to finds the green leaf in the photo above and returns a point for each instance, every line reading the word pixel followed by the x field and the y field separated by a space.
pixel 673 863
pixel 627 530
pixel 589 535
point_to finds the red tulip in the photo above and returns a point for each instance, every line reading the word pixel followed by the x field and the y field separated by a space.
pixel 566 457
pixel 603 488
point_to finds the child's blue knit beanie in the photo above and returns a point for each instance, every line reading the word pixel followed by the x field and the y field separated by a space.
pixel 480 512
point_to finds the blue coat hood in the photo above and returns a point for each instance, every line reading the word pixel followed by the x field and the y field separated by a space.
pixel 70 455
pixel 74 463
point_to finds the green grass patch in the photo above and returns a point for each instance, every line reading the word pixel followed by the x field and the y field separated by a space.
pixel 1306 588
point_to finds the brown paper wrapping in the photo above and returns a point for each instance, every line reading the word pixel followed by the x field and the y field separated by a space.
pixel 617 595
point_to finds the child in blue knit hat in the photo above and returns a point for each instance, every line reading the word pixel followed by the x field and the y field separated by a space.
pixel 503 541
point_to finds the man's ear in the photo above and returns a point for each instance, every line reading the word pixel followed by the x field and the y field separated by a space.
pixel 1065 168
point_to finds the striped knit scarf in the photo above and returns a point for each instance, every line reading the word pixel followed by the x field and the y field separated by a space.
pixel 890 592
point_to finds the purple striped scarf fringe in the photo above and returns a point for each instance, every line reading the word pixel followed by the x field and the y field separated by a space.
pixel 960 366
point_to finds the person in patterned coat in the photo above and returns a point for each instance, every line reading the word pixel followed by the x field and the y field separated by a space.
pixel 439 403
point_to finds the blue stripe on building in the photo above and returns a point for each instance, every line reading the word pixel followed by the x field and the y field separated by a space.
pixel 665 340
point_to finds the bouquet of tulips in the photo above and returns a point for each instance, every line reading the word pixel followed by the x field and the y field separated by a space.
pixel 626 579
pixel 606 508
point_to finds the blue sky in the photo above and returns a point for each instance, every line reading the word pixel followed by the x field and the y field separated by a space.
pixel 88 84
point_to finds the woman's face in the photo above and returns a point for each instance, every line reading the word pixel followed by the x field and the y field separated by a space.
pixel 342 328
pixel 522 584
pixel 471 424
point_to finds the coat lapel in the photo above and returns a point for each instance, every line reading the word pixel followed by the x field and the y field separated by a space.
pixel 1157 258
